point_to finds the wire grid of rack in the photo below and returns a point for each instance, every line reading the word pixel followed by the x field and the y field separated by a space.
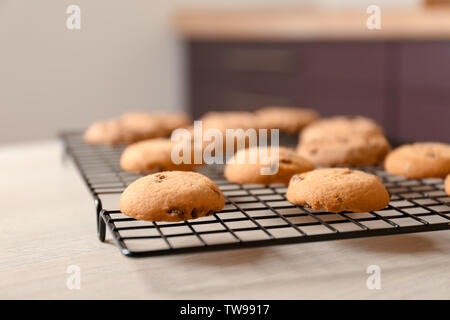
pixel 254 215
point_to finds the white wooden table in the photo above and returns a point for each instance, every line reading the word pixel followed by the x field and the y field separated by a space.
pixel 47 223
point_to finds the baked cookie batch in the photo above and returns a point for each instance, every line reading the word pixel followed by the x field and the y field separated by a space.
pixel 316 171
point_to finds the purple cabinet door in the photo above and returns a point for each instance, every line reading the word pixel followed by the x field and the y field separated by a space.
pixel 424 92
pixel 333 78
pixel 404 86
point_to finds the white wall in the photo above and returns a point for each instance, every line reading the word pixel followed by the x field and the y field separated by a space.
pixel 126 56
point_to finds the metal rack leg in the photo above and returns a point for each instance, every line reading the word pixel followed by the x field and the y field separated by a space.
pixel 101 227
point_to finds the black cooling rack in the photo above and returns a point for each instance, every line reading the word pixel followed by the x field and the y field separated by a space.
pixel 254 215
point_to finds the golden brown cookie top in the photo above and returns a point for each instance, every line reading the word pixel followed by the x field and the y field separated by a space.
pixel 246 165
pixel 287 119
pixel 154 155
pixel 136 126
pixel 229 120
pixel 139 119
pixel 343 140
pixel 171 120
pixel 108 132
pixel 345 149
pixel 143 125
pixel 338 189
pixel 340 125
pixel 419 160
pixel 171 196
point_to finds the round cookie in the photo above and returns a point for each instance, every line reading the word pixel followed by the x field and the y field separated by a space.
pixel 338 189
pixel 343 140
pixel 108 132
pixel 419 160
pixel 288 119
pixel 447 184
pixel 171 120
pixel 152 156
pixel 146 125
pixel 222 121
pixel 135 126
pixel 340 125
pixel 246 166
pixel 344 149
pixel 142 125
pixel 171 196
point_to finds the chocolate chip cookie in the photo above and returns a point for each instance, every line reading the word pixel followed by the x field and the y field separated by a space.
pixel 171 196
pixel 287 119
pixel 229 120
pixel 135 126
pixel 338 189
pixel 354 141
pixel 239 128
pixel 341 125
pixel 155 155
pixel 171 120
pixel 352 150
pixel 246 166
pixel 108 132
pixel 419 160
pixel 142 125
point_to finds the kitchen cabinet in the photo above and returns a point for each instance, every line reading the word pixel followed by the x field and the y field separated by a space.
pixel 403 85
pixel 423 91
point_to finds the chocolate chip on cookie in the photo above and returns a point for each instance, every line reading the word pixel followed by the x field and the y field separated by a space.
pixel 171 196
pixel 338 189
pixel 419 160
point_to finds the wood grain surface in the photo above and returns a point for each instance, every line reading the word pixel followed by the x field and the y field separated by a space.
pixel 303 24
pixel 47 224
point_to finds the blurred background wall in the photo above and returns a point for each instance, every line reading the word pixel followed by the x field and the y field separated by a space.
pixel 126 56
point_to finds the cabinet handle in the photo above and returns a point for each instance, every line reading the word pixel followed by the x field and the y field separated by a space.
pixel 251 99
pixel 259 60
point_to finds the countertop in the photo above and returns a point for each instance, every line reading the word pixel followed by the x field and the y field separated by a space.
pixel 47 224
pixel 304 24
